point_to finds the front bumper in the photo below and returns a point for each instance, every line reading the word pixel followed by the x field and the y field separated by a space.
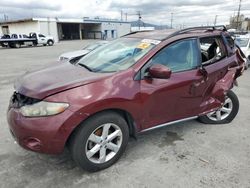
pixel 42 134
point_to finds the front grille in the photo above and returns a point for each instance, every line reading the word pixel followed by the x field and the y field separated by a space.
pixel 18 100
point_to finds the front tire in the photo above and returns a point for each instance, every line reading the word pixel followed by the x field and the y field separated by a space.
pixel 226 113
pixel 100 141
pixel 50 42
pixel 17 45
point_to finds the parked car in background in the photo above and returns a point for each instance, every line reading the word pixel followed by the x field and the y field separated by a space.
pixel 18 40
pixel 19 36
pixel 142 81
pixel 5 44
pixel 243 41
pixel 6 36
pixel 74 56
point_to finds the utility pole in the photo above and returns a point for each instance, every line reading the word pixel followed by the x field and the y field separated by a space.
pixel 215 20
pixel 172 14
pixel 238 15
pixel 138 13
pixel 48 22
pixel 139 19
pixel 121 15
pixel 5 17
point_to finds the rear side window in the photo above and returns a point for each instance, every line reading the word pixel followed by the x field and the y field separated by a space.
pixel 179 56
pixel 212 49
pixel 14 36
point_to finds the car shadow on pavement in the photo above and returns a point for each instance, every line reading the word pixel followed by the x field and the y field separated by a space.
pixel 38 46
pixel 53 170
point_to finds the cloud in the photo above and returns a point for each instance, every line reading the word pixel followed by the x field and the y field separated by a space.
pixel 160 4
pixel 28 5
pixel 17 9
pixel 185 12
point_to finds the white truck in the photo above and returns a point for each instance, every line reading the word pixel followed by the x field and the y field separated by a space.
pixel 18 40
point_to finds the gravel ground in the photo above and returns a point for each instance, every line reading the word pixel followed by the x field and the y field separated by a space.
pixel 188 154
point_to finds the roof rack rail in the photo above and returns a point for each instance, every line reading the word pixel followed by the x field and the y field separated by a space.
pixel 207 28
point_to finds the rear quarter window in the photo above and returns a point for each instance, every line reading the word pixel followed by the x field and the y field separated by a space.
pixel 230 41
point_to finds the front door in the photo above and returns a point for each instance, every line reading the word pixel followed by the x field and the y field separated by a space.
pixel 178 97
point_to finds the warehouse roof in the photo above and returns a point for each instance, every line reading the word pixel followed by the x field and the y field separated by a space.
pixel 67 20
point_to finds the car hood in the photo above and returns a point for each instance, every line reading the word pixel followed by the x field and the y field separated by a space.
pixel 50 37
pixel 73 54
pixel 54 79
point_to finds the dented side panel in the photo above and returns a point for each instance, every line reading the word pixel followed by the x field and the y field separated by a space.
pixel 216 99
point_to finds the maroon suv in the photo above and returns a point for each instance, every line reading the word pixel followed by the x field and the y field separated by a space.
pixel 136 83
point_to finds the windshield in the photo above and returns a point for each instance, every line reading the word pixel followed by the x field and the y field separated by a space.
pixel 242 42
pixel 117 55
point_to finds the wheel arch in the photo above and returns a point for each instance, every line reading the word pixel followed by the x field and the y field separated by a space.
pixel 133 130
pixel 50 40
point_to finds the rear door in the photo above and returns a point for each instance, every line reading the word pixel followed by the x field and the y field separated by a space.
pixel 165 100
pixel 215 63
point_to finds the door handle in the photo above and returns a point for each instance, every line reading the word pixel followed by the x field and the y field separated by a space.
pixel 194 85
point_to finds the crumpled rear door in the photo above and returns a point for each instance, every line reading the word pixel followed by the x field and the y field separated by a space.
pixel 214 97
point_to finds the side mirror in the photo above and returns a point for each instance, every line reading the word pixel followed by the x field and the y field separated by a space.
pixel 159 71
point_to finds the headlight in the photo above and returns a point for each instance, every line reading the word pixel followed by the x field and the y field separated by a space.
pixel 43 108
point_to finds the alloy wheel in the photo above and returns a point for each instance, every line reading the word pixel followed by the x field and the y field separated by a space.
pixel 223 112
pixel 103 143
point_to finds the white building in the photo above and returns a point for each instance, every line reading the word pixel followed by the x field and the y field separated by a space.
pixel 68 29
pixel 245 26
pixel 137 28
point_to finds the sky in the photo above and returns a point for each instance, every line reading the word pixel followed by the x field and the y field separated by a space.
pixel 185 12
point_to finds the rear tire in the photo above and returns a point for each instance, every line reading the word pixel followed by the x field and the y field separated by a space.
pixel 226 114
pixel 99 141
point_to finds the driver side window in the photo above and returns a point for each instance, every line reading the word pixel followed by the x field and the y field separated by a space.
pixel 179 56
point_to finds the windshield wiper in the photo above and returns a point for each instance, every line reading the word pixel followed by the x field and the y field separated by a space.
pixel 85 66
